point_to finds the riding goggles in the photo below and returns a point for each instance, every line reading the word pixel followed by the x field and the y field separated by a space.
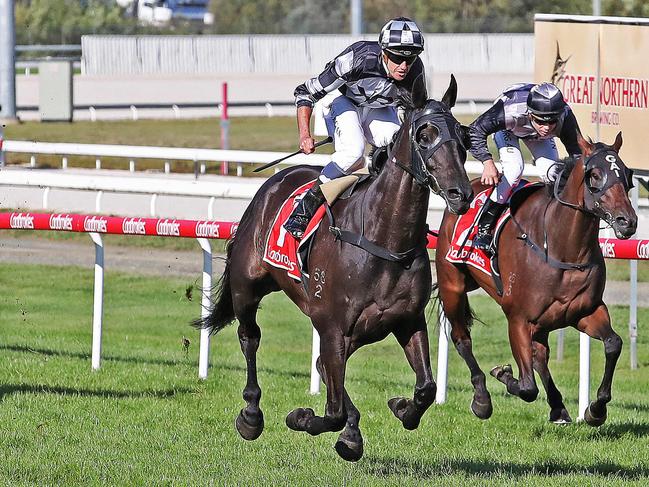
pixel 544 120
pixel 398 58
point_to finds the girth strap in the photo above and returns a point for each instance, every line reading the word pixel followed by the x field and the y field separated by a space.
pixel 404 258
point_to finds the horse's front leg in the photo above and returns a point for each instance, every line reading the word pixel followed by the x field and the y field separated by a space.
pixel 333 360
pixel 350 442
pixel 598 325
pixel 413 337
pixel 520 341
pixel 541 355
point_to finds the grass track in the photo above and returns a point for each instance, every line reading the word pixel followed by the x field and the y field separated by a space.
pixel 145 418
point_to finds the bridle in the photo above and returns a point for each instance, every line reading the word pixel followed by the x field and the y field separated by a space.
pixel 612 171
pixel 448 130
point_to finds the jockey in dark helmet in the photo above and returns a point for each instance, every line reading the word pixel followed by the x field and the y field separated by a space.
pixel 534 114
pixel 365 77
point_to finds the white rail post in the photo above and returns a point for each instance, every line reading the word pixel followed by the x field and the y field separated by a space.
pixel 97 163
pixel 561 337
pixel 93 114
pixel 204 347
pixel 32 161
pixel 442 357
pixel 131 165
pixel 133 112
pixel 46 198
pixel 584 374
pixel 64 162
pixel 152 204
pixel 100 193
pixel 98 304
pixel 210 208
pixel 314 388
pixel 633 298
pixel 167 167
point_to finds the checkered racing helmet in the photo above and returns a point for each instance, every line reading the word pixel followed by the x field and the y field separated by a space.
pixel 401 36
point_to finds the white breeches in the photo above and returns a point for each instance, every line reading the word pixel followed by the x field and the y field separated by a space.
pixel 353 126
pixel 545 156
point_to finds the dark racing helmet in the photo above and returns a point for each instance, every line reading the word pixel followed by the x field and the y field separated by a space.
pixel 401 37
pixel 545 102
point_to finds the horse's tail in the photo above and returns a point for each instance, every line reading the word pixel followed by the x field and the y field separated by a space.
pixel 436 306
pixel 222 312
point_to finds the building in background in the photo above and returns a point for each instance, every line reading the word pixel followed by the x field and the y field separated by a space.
pixel 162 12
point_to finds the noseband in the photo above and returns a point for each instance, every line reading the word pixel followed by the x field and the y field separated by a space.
pixel 449 130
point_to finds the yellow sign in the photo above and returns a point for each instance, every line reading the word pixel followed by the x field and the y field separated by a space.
pixel 599 66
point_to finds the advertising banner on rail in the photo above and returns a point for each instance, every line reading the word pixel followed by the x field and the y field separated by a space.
pixel 599 65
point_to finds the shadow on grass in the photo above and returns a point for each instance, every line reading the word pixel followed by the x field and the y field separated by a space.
pixel 615 431
pixel 8 389
pixel 382 467
pixel 143 360
pixel 378 381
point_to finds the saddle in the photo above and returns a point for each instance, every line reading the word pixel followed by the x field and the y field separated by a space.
pixel 461 250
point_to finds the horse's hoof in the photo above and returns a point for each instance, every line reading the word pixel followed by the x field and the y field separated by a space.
pixel 247 428
pixel 593 420
pixel 482 410
pixel 560 416
pixel 499 370
pixel 349 449
pixel 398 406
pixel 299 418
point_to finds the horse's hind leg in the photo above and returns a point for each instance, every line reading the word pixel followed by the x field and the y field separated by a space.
pixel 540 356
pixel 250 422
pixel 598 325
pixel 457 310
pixel 413 337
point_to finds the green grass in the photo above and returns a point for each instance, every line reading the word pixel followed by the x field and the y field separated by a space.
pixel 145 418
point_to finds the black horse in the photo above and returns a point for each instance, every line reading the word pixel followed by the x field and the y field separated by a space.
pixel 353 297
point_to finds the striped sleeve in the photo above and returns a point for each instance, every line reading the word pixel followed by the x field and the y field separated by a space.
pixel 335 74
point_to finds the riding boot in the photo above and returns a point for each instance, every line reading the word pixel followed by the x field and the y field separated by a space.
pixel 304 211
pixel 488 219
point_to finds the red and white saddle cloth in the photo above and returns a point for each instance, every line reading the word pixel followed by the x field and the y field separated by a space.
pixel 461 250
pixel 282 250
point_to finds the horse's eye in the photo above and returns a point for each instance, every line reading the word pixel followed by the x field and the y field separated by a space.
pixel 427 136
pixel 595 179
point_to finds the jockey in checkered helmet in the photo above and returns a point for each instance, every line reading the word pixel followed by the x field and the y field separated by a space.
pixel 364 83
pixel 401 37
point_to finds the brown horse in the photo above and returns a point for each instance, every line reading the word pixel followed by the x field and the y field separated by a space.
pixel 553 274
pixel 353 297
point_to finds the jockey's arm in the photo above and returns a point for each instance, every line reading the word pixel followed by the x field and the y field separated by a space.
pixel 486 124
pixel 307 144
pixel 568 134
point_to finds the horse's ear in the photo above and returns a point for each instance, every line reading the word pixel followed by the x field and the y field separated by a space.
pixel 419 93
pixel 618 142
pixel 450 96
pixel 586 146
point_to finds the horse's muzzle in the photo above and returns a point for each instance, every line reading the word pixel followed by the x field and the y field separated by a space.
pixel 625 225
pixel 458 200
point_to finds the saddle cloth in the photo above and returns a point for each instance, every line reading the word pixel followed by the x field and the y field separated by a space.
pixel 282 250
pixel 461 250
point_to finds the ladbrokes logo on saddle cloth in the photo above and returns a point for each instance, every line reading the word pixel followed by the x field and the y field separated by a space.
pixel 461 250
pixel 281 248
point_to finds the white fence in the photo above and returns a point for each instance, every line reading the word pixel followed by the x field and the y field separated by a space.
pixel 244 54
